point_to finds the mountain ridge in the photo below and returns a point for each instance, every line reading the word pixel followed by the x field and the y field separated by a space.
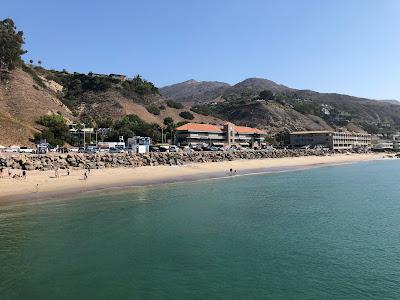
pixel 238 103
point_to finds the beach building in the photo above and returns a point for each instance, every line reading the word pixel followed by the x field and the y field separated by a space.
pixel 121 77
pixel 109 145
pixel 330 139
pixel 385 145
pixel 219 135
pixel 79 128
pixel 139 144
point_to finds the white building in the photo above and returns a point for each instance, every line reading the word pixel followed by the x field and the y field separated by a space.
pixel 139 144
pixel 330 139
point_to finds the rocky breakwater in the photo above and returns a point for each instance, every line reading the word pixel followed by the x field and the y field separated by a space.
pixel 106 160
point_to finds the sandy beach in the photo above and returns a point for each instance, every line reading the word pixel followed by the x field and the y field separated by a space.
pixel 41 185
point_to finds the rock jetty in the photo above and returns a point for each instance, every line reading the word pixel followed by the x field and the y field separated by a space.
pixel 107 160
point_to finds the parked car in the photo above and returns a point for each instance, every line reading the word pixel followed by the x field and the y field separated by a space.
pixel 197 147
pixel 174 148
pixel 214 148
pixel 116 150
pixel 154 149
pixel 26 150
pixel 73 149
pixel 91 149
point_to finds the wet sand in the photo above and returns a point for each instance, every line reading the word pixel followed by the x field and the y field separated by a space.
pixel 41 185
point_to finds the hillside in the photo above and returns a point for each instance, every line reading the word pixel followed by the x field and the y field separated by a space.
pixel 292 109
pixel 193 92
pixel 28 93
pixel 22 102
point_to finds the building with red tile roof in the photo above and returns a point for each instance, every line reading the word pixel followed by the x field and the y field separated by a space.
pixel 219 135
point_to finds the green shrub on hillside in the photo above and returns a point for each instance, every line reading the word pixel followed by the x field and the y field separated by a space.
pixel 153 109
pixel 266 95
pixel 138 86
pixel 186 115
pixel 174 104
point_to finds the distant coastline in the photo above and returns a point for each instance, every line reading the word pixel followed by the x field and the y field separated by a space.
pixel 42 185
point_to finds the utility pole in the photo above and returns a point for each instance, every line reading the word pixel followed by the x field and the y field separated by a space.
pixel 162 135
pixel 84 137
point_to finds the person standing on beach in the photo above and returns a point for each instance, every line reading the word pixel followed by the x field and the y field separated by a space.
pixel 1 173
pixel 24 174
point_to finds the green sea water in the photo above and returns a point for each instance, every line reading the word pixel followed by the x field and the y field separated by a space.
pixel 325 233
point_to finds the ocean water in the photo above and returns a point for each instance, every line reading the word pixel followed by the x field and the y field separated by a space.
pixel 324 233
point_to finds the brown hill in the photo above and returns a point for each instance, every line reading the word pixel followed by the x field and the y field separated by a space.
pixel 22 103
pixel 298 109
pixel 29 93
pixel 192 91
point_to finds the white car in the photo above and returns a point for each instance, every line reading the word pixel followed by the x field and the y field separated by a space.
pixel 173 148
pixel 74 149
pixel 26 150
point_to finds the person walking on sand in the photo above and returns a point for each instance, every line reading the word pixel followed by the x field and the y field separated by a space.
pixel 68 172
pixel 9 173
pixel 24 174
pixel 1 172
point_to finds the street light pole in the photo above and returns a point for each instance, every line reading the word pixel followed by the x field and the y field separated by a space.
pixel 84 137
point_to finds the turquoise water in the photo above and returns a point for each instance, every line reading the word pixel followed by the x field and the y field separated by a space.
pixel 331 232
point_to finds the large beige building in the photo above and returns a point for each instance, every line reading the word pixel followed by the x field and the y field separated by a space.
pixel 330 139
pixel 219 135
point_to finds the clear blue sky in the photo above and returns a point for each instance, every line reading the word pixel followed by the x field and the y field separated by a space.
pixel 346 46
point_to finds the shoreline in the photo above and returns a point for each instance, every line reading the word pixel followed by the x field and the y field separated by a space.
pixel 20 190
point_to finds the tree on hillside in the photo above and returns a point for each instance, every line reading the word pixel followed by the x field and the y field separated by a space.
pixel 174 104
pixel 31 61
pixel 56 133
pixel 11 42
pixel 266 95
pixel 168 121
pixel 186 115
